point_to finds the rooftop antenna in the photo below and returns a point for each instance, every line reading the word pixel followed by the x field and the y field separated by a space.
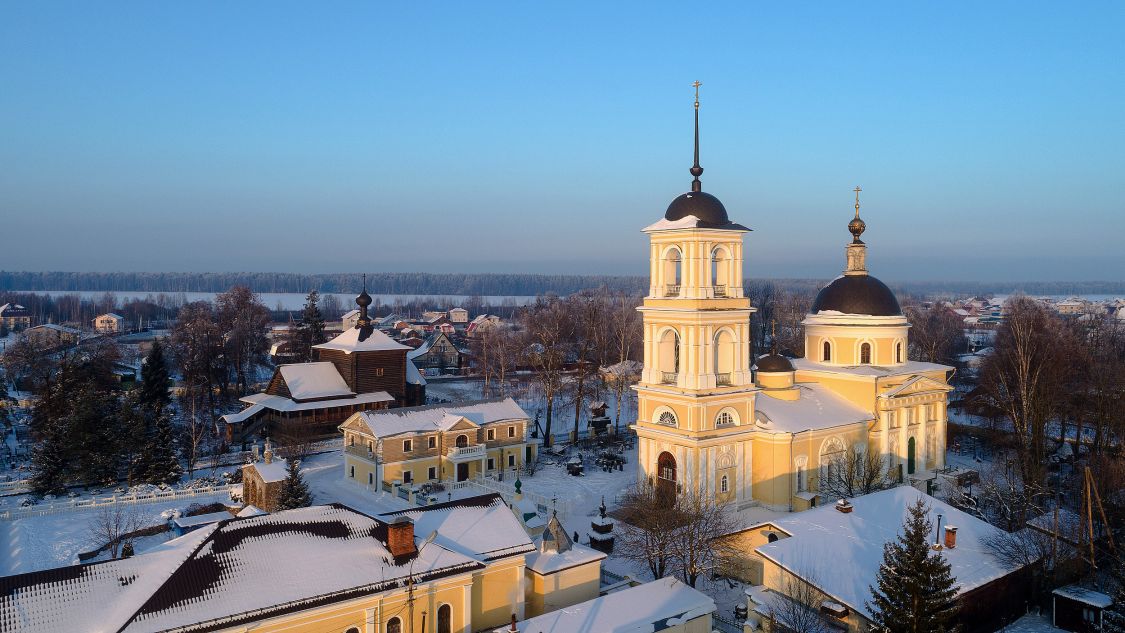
pixel 696 170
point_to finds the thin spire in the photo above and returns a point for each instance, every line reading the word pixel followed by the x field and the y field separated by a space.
pixel 696 170
pixel 857 190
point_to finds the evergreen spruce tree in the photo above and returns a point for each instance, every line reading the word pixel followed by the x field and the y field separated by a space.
pixel 916 591
pixel 310 330
pixel 163 467
pixel 153 393
pixel 49 462
pixel 294 491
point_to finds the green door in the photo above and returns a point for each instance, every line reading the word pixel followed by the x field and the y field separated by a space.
pixel 910 456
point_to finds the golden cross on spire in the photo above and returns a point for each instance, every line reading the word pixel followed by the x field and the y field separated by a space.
pixel 857 190
pixel 696 85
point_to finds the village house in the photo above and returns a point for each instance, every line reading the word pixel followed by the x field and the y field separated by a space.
pixel 109 323
pixel 15 317
pixel 458 316
pixel 52 336
pixel 361 369
pixel 481 323
pixel 458 566
pixel 437 352
pixel 838 548
pixel 436 443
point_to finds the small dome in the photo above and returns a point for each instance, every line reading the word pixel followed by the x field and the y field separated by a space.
pixel 773 363
pixel 702 205
pixel 363 300
pixel 857 294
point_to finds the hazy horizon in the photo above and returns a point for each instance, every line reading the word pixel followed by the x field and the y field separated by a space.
pixel 513 138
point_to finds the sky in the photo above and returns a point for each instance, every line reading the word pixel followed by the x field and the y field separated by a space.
pixel 988 138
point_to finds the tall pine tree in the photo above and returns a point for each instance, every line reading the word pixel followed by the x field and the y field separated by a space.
pixel 163 467
pixel 49 460
pixel 916 591
pixel 310 329
pixel 294 491
pixel 153 393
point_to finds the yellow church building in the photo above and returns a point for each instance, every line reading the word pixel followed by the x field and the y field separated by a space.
pixel 707 422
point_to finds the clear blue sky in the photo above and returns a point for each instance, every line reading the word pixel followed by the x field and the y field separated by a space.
pixel 989 137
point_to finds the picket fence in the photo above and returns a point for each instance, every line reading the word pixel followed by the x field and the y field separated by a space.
pixel 82 505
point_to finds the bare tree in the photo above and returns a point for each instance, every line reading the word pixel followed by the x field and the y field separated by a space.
pixel 855 472
pixel 796 609
pixel 1020 379
pixel 937 334
pixel 697 546
pixel 112 523
pixel 646 529
pixel 625 331
pixel 548 326
pixel 243 320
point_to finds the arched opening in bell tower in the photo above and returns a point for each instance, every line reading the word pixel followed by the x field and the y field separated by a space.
pixel 673 270
pixel 725 351
pixel 720 271
pixel 668 356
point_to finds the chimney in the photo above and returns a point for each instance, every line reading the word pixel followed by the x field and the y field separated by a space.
pixel 950 536
pixel 267 455
pixel 843 505
pixel 254 452
pixel 513 623
pixel 400 537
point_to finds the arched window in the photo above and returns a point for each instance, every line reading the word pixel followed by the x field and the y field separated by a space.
pixel 724 484
pixel 719 268
pixel 724 357
pixel 827 351
pixel 898 352
pixel 725 418
pixel 462 441
pixel 444 619
pixel 771 537
pixel 352 629
pixel 394 625
pixel 667 418
pixel 865 354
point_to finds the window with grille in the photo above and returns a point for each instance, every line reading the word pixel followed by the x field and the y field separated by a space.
pixel 865 354
pixel 724 419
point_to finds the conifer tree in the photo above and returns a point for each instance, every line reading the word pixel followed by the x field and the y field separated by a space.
pixel 49 461
pixel 163 467
pixel 310 329
pixel 153 392
pixel 294 491
pixel 916 591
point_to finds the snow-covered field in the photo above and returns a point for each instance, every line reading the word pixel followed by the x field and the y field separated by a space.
pixel 55 540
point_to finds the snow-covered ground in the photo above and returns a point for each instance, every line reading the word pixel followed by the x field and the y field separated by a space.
pixel 55 540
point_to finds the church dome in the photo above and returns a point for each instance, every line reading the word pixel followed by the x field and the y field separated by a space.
pixel 702 205
pixel 857 294
pixel 774 363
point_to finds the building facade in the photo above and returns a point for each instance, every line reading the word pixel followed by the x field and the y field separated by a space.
pixel 709 424
pixel 109 323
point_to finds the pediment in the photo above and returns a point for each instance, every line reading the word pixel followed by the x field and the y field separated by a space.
pixel 460 424
pixel 917 385
pixel 356 424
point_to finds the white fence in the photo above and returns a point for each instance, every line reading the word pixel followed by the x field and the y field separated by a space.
pixel 80 505
pixel 18 486
pixel 508 491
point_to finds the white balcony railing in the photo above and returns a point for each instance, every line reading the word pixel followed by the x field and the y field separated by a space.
pixel 722 380
pixel 672 290
pixel 465 452
pixel 669 377
pixel 720 291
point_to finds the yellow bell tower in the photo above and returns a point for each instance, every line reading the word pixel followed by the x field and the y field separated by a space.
pixel 696 394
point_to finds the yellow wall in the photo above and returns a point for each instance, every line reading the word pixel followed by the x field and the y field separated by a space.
pixel 497 593
pixel 562 589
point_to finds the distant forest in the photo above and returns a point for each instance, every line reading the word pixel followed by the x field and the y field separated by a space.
pixel 473 284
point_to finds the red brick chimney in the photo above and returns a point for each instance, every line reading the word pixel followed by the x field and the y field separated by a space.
pixel 514 623
pixel 950 537
pixel 400 537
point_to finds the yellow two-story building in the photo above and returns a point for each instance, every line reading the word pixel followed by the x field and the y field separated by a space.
pixel 437 443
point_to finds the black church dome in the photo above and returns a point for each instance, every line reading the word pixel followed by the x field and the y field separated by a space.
pixel 857 294
pixel 702 205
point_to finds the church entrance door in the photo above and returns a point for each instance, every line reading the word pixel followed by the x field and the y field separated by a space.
pixel 910 456
pixel 666 476
pixel 462 472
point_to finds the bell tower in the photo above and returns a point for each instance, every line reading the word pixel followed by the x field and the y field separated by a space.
pixel 696 393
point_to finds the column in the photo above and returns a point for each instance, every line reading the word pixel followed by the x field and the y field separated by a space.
pixel 467 592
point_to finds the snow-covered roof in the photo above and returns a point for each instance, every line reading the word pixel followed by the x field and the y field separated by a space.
pixel 909 367
pixel 237 571
pixel 550 562
pixel 840 552
pixel 276 470
pixel 686 222
pixel 201 519
pixel 413 376
pixel 1085 596
pixel 243 415
pixel 55 327
pixel 816 408
pixel 307 381
pixel 352 341
pixel 648 607
pixel 281 403
pixel 251 510
pixel 482 527
pixel 421 349
pixel 437 417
